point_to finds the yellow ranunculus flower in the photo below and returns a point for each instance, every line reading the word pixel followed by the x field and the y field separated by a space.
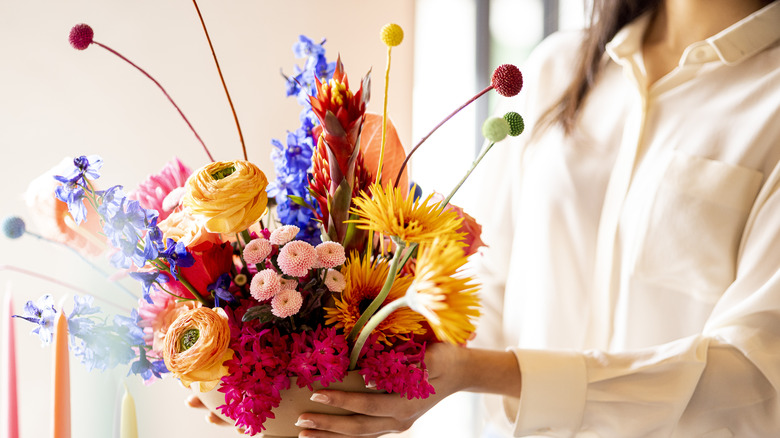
pixel 229 194
pixel 196 347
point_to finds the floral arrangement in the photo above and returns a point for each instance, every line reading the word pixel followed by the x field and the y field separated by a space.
pixel 249 285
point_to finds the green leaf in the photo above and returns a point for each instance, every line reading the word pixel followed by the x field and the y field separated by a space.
pixel 262 313
pixel 300 201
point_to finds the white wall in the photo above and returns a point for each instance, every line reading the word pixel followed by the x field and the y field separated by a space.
pixel 56 102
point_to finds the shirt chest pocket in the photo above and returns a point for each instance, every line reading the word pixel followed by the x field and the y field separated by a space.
pixel 696 219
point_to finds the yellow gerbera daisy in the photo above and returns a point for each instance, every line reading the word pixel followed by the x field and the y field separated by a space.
pixel 386 211
pixel 364 280
pixel 439 291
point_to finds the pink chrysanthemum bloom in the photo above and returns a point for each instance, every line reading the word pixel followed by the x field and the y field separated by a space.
pixel 335 281
pixel 296 258
pixel 289 283
pixel 257 250
pixel 286 303
pixel 284 234
pixel 265 284
pixel 330 255
pixel 151 193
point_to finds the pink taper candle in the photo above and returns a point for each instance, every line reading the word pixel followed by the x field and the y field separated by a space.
pixel 61 400
pixel 10 383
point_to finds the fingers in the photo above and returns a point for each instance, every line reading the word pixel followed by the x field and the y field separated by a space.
pixel 327 426
pixel 375 414
pixel 194 402
pixel 377 405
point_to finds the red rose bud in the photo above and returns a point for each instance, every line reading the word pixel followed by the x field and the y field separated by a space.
pixel 81 36
pixel 507 80
pixel 211 261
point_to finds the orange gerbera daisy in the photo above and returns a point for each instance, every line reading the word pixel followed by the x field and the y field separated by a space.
pixel 364 279
pixel 386 211
pixel 442 294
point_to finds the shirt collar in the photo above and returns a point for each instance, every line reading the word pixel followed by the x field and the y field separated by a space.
pixel 734 44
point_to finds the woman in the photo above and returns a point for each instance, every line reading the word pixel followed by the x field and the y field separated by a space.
pixel 635 246
pixel 641 275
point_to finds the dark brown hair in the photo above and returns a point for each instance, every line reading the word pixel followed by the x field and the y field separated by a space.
pixel 606 19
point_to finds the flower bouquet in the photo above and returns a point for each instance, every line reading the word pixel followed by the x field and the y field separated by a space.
pixel 250 287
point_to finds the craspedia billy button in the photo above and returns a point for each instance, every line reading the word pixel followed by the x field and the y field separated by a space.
pixel 516 124
pixel 392 34
pixel 507 80
pixel 13 227
pixel 81 36
pixel 495 129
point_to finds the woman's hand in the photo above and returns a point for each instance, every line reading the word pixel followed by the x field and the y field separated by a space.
pixel 194 402
pixel 378 414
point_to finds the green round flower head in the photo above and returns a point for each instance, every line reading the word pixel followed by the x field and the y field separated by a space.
pixel 13 227
pixel 516 124
pixel 495 129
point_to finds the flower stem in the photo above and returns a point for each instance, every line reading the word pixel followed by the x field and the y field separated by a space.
pixel 380 298
pixel 163 91
pixel 221 78
pixel 163 267
pixel 87 261
pixel 462 180
pixel 409 155
pixel 372 323
pixel 60 283
pixel 384 120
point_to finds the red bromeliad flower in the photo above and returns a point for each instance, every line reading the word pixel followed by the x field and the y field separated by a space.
pixel 320 181
pixel 341 113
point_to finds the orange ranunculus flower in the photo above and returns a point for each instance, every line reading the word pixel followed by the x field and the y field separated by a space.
pixel 196 347
pixel 183 226
pixel 229 194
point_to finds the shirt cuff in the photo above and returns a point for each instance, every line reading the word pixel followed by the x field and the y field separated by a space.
pixel 552 399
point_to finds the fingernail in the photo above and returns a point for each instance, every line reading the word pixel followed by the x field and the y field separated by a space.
pixel 319 398
pixel 304 423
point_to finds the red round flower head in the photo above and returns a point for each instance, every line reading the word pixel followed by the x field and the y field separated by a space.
pixel 507 80
pixel 81 36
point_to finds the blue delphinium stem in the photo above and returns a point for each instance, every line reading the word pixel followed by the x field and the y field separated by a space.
pixel 88 262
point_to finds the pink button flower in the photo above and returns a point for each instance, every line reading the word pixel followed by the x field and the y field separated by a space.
pixel 256 251
pixel 286 303
pixel 330 255
pixel 296 258
pixel 265 284
pixel 284 234
pixel 335 281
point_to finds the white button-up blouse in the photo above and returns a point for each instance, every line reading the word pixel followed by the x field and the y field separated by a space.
pixel 634 266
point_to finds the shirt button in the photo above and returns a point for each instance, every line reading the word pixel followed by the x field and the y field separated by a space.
pixel 699 54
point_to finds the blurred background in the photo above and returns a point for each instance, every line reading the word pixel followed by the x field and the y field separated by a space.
pixel 58 102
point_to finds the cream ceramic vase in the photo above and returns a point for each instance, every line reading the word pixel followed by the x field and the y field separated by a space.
pixel 295 401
